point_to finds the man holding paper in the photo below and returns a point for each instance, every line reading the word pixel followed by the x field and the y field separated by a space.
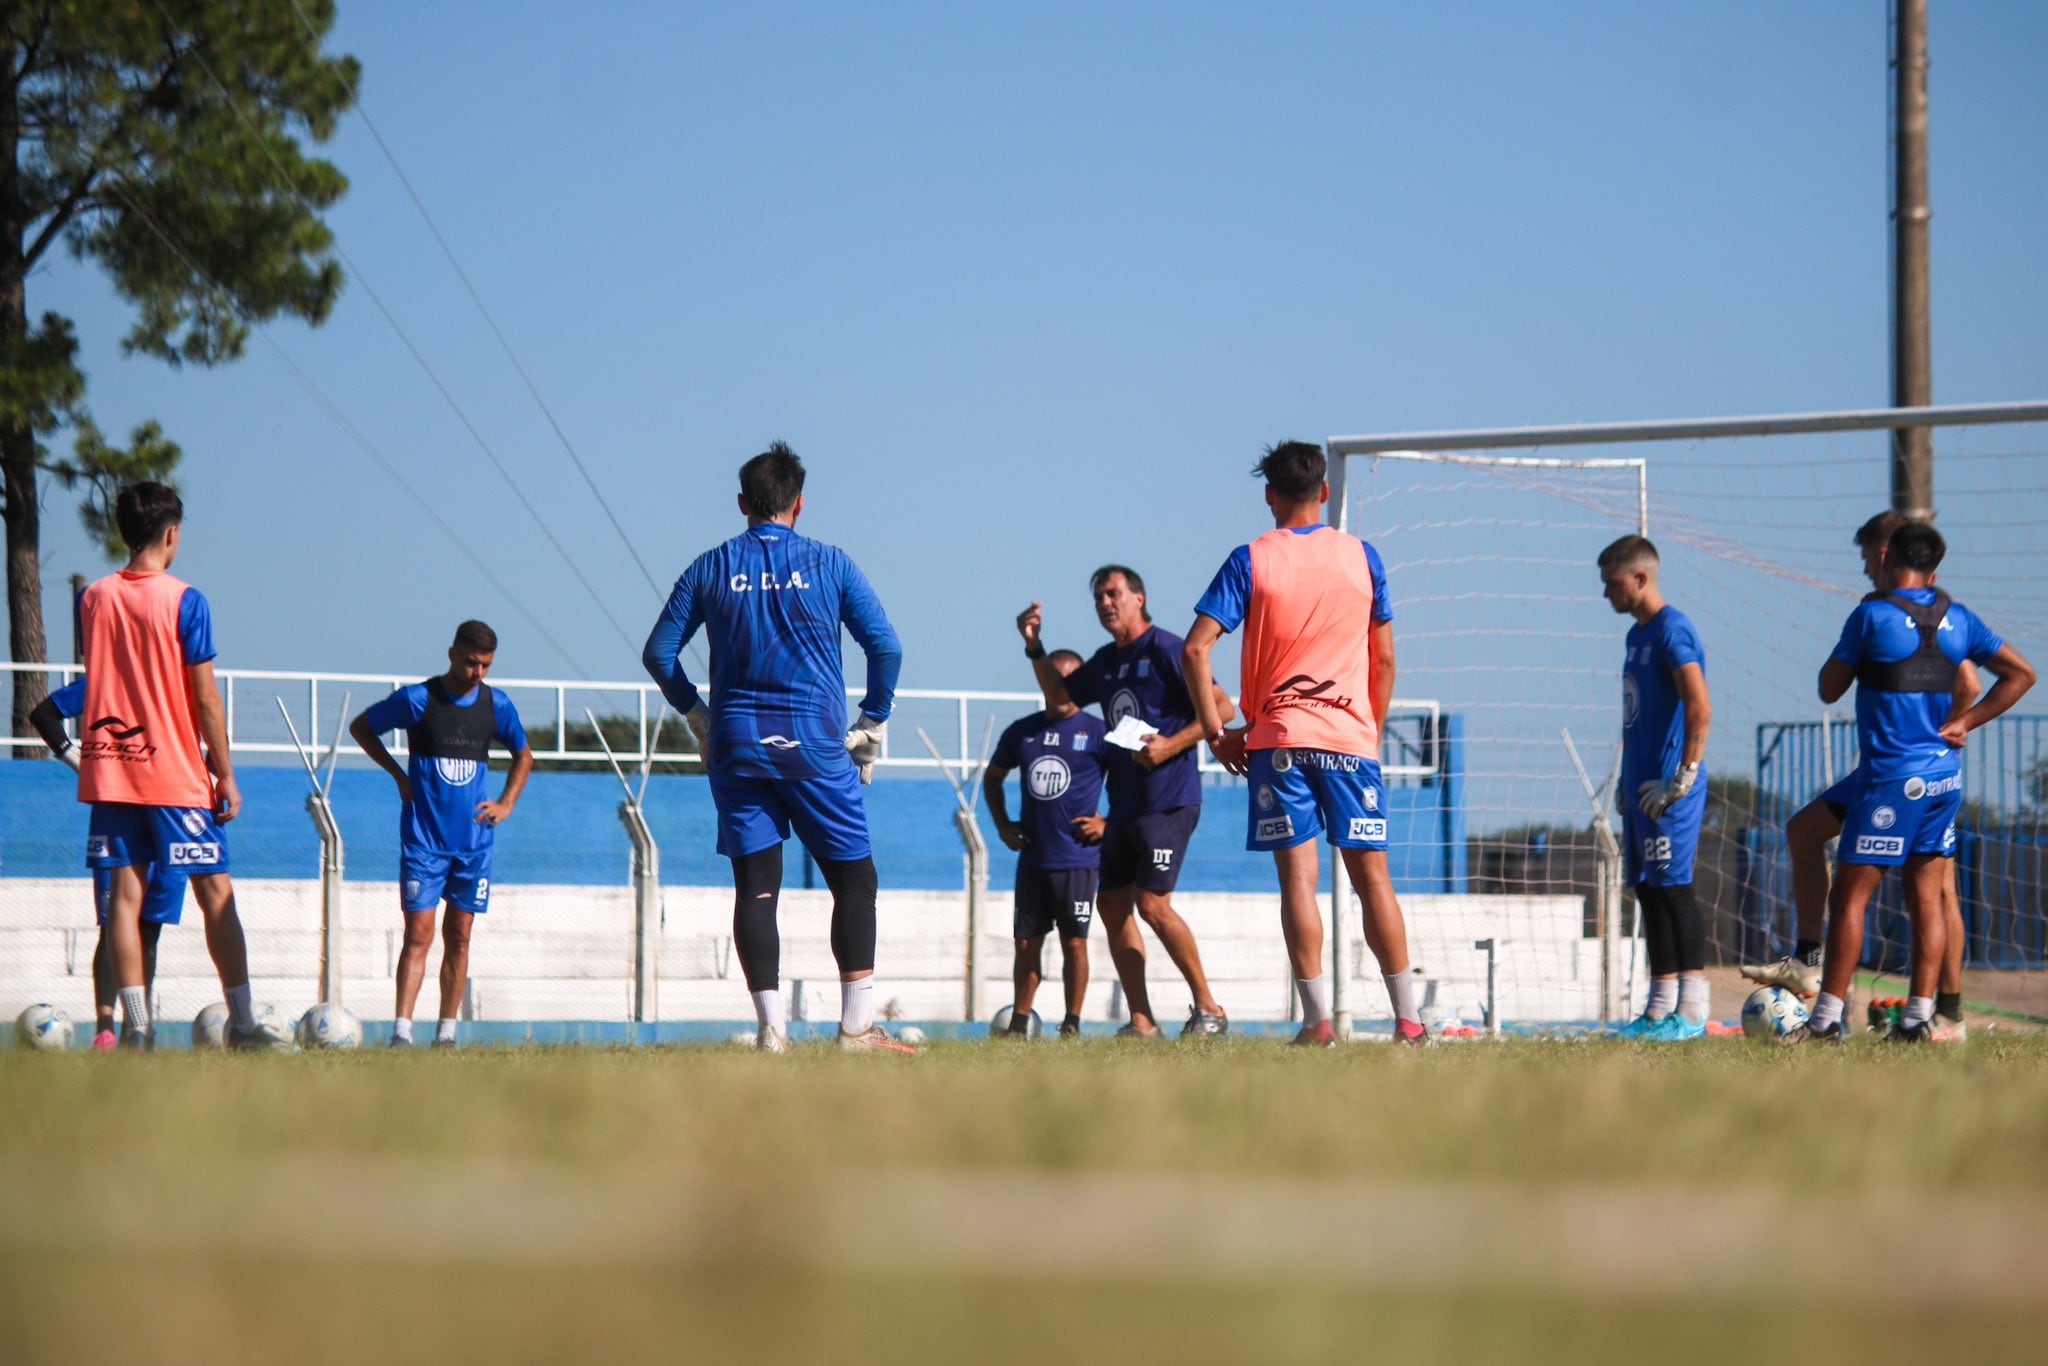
pixel 1155 788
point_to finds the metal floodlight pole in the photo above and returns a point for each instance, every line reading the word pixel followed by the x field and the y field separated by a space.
pixel 329 829
pixel 646 888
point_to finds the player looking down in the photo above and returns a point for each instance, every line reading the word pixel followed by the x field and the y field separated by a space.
pixel 447 822
pixel 1057 838
pixel 154 763
pixel 163 900
pixel 774 735
pixel 1317 678
pixel 1155 792
pixel 1665 716
pixel 1902 651
pixel 1820 820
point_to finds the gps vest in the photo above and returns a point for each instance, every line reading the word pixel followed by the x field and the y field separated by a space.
pixel 448 731
pixel 1927 669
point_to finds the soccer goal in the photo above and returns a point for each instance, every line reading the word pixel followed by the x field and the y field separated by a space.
pixel 1489 540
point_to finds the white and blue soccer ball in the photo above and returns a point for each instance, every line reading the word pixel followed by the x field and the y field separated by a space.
pixel 270 1020
pixel 1771 1013
pixel 910 1034
pixel 1001 1024
pixel 42 1028
pixel 329 1026
pixel 210 1026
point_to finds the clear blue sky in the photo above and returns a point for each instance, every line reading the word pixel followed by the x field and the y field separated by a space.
pixel 1030 287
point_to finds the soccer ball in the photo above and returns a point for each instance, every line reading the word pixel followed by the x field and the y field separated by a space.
pixel 1001 1024
pixel 329 1026
pixel 270 1020
pixel 1771 1013
pixel 910 1034
pixel 42 1028
pixel 210 1026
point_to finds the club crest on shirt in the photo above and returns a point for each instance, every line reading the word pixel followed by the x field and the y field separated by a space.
pixel 1631 699
pixel 1883 818
pixel 1124 703
pixel 194 823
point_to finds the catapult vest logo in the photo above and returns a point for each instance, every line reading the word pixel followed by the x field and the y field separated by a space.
pixel 1049 777
pixel 1305 690
pixel 111 737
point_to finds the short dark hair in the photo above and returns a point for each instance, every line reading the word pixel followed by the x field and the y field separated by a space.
pixel 477 638
pixel 1915 546
pixel 1628 550
pixel 1293 469
pixel 144 511
pixel 1057 655
pixel 1131 577
pixel 772 481
pixel 1878 530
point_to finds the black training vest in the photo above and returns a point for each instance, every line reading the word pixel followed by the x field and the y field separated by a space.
pixel 448 731
pixel 1927 669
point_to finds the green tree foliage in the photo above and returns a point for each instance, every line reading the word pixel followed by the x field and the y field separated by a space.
pixel 622 733
pixel 161 141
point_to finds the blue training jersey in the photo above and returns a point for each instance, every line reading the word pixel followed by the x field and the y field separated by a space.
pixel 1652 714
pixel 441 817
pixel 69 700
pixel 1142 679
pixel 1061 763
pixel 1899 733
pixel 771 603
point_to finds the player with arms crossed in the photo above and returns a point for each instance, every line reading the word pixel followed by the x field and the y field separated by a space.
pixel 153 702
pixel 447 822
pixel 1057 840
pixel 1317 678
pixel 1820 820
pixel 163 902
pixel 1902 652
pixel 1155 793
pixel 1665 716
pixel 774 737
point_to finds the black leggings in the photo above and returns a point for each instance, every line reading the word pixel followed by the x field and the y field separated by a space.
pixel 757 891
pixel 1673 929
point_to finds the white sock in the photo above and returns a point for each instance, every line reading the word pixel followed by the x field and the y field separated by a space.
pixel 768 1010
pixel 1919 1010
pixel 240 1009
pixel 1401 991
pixel 401 1030
pixel 1693 996
pixel 444 1032
pixel 1315 999
pixel 1827 1010
pixel 1663 998
pixel 857 1005
pixel 135 1008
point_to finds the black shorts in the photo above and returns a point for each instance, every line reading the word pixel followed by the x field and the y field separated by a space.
pixel 1046 896
pixel 1148 850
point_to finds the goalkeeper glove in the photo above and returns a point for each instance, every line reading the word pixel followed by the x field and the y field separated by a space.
pixel 1657 798
pixel 698 718
pixel 864 744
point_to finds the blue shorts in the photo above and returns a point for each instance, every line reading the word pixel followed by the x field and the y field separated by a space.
pixel 1148 851
pixel 1297 793
pixel 183 840
pixel 163 895
pixel 1894 819
pixel 1054 896
pixel 1842 795
pixel 426 879
pixel 1660 852
pixel 827 812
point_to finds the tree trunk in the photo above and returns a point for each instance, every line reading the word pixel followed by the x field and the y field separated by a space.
pixel 25 640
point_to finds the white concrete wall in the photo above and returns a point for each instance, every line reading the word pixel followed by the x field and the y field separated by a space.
pixel 566 953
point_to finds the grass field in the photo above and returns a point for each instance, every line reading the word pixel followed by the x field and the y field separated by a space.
pixel 1041 1203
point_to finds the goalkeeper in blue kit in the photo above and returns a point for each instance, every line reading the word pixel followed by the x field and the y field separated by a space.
pixel 774 733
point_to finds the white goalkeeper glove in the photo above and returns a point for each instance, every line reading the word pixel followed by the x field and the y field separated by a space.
pixel 864 744
pixel 698 719
pixel 1657 798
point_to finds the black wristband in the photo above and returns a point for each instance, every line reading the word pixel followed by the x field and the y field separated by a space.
pixel 1034 649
